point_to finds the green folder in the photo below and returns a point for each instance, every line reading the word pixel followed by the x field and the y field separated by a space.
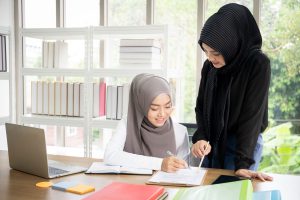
pixel 238 190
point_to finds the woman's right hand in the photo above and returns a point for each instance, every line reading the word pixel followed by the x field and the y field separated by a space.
pixel 172 164
pixel 201 148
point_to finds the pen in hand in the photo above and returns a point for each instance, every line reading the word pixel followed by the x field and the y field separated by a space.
pixel 171 154
pixel 206 147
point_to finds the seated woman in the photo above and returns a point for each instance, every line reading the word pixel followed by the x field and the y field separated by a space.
pixel 149 137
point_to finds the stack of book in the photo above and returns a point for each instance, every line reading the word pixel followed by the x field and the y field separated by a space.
pixel 3 58
pixel 117 101
pixel 55 54
pixel 57 98
pixel 140 53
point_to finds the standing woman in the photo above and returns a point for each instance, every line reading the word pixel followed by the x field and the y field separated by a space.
pixel 148 138
pixel 232 102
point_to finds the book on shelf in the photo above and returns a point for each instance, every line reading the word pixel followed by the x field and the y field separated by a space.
pixel 96 99
pixel 81 100
pixel 57 96
pixel 33 97
pixel 119 102
pixel 108 102
pixel 140 49
pixel 63 98
pixel 76 100
pixel 102 168
pixel 45 97
pixel 60 54
pixel 102 98
pixel 141 42
pixel 141 56
pixel 50 59
pixel 3 56
pixel 40 97
pixel 192 176
pixel 70 87
pixel 51 101
pixel 128 191
pixel 126 88
pixel 54 54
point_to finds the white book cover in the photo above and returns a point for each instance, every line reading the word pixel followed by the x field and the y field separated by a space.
pixel 51 98
pixel 139 49
pixel 140 61
pixel 50 54
pixel 81 100
pixel 57 97
pixel 140 42
pixel 114 101
pixel 40 97
pixel 33 97
pixel 60 54
pixel 63 99
pixel 70 110
pixel 96 100
pixel 126 89
pixel 45 97
pixel 119 102
pixel 1 57
pixel 109 102
pixel 45 54
pixel 140 56
pixel 76 106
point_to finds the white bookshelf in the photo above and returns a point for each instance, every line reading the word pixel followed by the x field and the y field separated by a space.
pixel 88 72
pixel 7 76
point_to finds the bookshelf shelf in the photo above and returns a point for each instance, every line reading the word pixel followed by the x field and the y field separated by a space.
pixel 104 123
pixel 53 72
pixel 4 75
pixel 96 43
pixel 53 120
pixel 121 72
pixel 3 120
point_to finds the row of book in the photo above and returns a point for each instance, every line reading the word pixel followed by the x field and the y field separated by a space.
pixel 55 54
pixel 57 98
pixel 140 52
pixel 67 99
pixel 3 56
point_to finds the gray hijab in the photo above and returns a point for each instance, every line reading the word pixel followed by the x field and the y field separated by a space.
pixel 142 137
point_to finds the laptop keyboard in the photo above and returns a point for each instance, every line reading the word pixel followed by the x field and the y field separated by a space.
pixel 55 171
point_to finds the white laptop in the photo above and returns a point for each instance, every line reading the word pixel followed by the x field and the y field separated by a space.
pixel 27 153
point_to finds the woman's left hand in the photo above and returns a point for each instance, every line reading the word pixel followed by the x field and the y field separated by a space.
pixel 253 175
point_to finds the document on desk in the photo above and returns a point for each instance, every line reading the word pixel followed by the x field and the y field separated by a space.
pixel 102 168
pixel 184 177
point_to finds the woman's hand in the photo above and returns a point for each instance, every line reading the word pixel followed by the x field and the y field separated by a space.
pixel 172 164
pixel 253 175
pixel 201 148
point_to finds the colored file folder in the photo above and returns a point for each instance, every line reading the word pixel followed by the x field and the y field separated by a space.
pixel 127 191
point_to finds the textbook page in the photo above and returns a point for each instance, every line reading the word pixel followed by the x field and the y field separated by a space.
pixel 190 176
pixel 101 168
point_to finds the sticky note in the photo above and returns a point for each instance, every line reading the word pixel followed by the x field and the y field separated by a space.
pixel 45 184
pixel 64 185
pixel 81 189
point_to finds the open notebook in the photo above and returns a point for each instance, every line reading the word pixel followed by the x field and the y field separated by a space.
pixel 101 168
pixel 192 176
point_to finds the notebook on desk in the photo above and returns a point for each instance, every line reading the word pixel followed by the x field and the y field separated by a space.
pixel 27 152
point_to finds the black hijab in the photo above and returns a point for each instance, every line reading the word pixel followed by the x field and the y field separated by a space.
pixel 233 32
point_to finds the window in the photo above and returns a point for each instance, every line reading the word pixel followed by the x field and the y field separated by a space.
pixel 183 15
pixel 126 12
pixel 281 36
pixel 82 13
pixel 39 13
